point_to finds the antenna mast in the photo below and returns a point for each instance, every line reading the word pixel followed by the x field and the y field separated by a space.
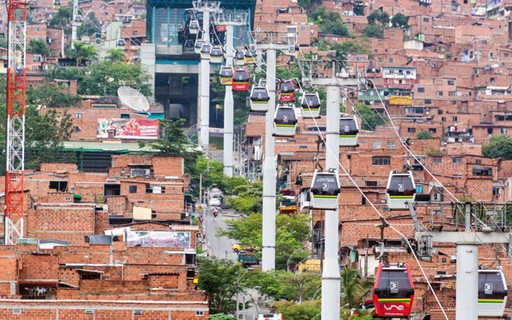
pixel 15 122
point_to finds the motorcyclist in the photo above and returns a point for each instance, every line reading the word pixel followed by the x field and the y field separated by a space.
pixel 215 212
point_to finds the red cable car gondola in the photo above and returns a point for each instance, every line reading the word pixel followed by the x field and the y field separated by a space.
pixel 286 91
pixel 241 79
pixel 393 292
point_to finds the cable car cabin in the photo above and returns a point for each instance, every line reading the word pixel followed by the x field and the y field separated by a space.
pixel 239 58
pixel 226 75
pixel 259 99
pixel 241 79
pixel 325 190
pixel 348 131
pixel 120 42
pixel 216 54
pixel 250 57
pixel 188 46
pixel 310 105
pixel 286 91
pixel 393 292
pixel 285 121
pixel 193 27
pixel 492 293
pixel 198 45
pixel 205 51
pixel 400 190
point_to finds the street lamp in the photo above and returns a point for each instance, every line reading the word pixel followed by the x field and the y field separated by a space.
pixel 288 260
pixel 238 292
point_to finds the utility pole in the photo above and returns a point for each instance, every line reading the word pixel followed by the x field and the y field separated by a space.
pixel 270 42
pixel 331 268
pixel 467 260
pixel 205 7
pixel 230 23
pixel 75 23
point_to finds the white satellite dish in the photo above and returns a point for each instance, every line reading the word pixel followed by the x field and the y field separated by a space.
pixel 133 99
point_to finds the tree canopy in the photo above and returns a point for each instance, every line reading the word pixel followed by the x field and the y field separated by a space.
pixel 82 53
pixel 424 134
pixel 221 280
pixel 399 20
pixel 328 22
pixel 38 46
pixel 50 95
pixel 499 146
pixel 370 119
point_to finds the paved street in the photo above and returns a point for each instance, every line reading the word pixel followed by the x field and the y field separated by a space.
pixel 217 245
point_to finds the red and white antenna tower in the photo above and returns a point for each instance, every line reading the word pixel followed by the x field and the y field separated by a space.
pixel 16 99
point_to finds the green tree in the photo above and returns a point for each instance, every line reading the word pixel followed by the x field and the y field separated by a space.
pixel 62 19
pixel 499 146
pixel 378 17
pixel 424 134
pixel 291 233
pixel 50 95
pixel 106 77
pixel 90 26
pixel 308 310
pixel 353 288
pixel 399 20
pixel 64 73
pixel 44 136
pixel 282 285
pixel 374 31
pixel 82 53
pixel 221 280
pixel 370 119
pixel 38 46
pixel 115 55
pixel 174 142
pixel 328 22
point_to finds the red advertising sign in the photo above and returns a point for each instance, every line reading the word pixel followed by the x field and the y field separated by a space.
pixel 127 128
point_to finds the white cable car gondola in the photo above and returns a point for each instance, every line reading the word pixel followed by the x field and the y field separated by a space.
pixel 325 190
pixel 239 58
pixel 193 27
pixel 400 190
pixel 205 50
pixel 198 45
pixel 393 292
pixel 348 131
pixel 226 75
pixel 259 99
pixel 492 293
pixel 310 105
pixel 285 121
pixel 216 54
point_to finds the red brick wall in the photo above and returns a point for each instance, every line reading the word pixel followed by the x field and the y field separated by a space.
pixel 54 167
pixel 39 267
pixel 168 166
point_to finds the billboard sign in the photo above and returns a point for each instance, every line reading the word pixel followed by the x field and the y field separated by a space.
pixel 127 128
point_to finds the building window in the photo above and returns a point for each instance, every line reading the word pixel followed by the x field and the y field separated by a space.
pixel 132 189
pixel 370 183
pixel 439 82
pixel 428 101
pixel 136 33
pixel 457 160
pixel 78 115
pixel 199 313
pixel 452 94
pixel 503 130
pixel 377 145
pixel 381 161
pixel 411 130
pixel 440 93
pixel 478 161
pixel 443 119
pixel 455 118
pixel 391 144
pixel 436 160
pixel 380 59
pixel 391 60
pixel 432 130
pixel 425 19
pixel 77 129
pixel 451 82
pixel 421 89
pixel 125 116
